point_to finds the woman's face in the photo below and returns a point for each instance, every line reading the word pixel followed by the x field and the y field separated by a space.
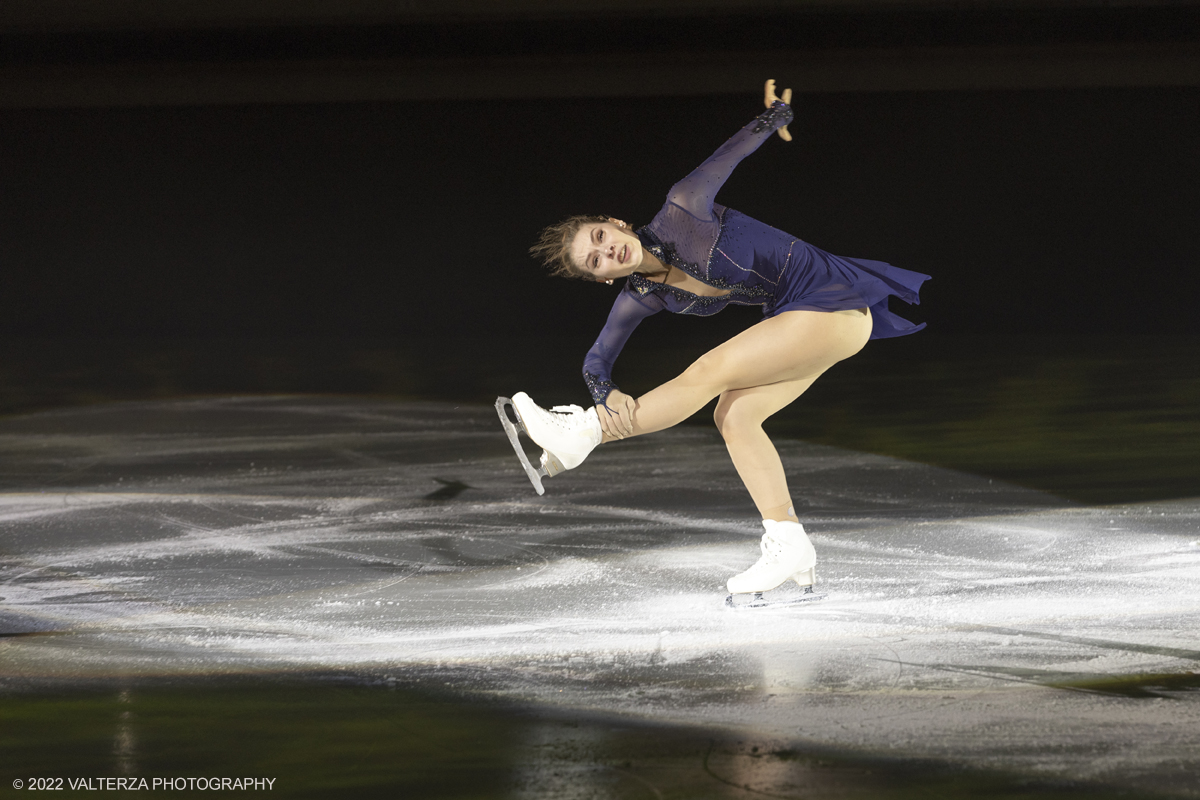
pixel 606 250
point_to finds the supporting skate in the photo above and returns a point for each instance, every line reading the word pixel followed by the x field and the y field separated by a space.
pixel 787 554
pixel 566 433
pixel 775 598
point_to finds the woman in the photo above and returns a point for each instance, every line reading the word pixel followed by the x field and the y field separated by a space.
pixel 696 257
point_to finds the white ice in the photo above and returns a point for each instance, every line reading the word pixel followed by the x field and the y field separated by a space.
pixel 964 619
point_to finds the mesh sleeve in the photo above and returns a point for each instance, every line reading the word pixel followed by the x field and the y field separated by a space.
pixel 628 310
pixel 696 192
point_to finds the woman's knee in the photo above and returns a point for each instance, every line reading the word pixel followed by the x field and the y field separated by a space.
pixel 710 371
pixel 735 419
pixel 721 412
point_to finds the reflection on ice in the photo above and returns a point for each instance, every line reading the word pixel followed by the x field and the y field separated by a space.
pixel 125 741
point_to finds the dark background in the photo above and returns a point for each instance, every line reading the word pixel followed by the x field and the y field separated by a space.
pixel 128 210
pixel 209 196
pixel 1035 211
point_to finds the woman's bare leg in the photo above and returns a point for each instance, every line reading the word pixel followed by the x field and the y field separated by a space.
pixel 757 373
pixel 792 346
pixel 739 416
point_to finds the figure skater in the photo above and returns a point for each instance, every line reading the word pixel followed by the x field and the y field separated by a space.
pixel 696 257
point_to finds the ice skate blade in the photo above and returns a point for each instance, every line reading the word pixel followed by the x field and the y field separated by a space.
pixel 775 598
pixel 535 474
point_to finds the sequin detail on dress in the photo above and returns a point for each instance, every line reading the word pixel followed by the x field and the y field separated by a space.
pixel 599 387
pixel 702 305
pixel 729 258
pixel 770 119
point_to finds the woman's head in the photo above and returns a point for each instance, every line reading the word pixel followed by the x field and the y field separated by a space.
pixel 589 247
pixel 554 246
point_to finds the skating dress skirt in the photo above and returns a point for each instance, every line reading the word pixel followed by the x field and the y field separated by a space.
pixel 750 262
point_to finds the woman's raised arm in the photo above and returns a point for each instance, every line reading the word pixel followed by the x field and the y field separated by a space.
pixel 696 193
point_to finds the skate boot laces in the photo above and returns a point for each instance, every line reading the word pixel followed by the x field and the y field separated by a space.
pixel 562 417
pixel 772 549
pixel 571 409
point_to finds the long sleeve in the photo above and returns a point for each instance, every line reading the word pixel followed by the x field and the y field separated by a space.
pixel 696 192
pixel 628 310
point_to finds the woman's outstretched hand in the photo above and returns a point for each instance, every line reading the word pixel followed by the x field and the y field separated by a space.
pixel 770 100
pixel 616 414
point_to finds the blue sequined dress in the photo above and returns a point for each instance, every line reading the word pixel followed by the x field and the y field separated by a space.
pixel 754 263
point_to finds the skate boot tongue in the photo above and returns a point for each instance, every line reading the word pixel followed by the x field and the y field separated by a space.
pixel 785 533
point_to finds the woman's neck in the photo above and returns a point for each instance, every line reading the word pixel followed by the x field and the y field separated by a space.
pixel 651 265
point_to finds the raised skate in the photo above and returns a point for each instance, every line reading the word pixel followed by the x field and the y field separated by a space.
pixel 566 433
pixel 787 554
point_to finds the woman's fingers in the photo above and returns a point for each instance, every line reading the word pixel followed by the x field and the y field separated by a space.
pixel 626 414
pixel 769 96
pixel 606 420
pixel 616 418
pixel 783 132
pixel 610 421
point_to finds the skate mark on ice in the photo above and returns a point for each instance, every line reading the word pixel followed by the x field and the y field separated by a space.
pixel 741 785
pixel 20 634
pixel 1106 644
pixel 546 564
pixel 634 778
pixel 1036 677
pixel 1138 686
pixel 1146 686
pixel 896 659
pixel 667 518
pixel 569 571
pixel 837 540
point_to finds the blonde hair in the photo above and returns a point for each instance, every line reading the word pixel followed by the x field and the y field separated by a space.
pixel 553 247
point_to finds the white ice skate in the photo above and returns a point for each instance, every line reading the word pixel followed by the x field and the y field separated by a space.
pixel 786 553
pixel 566 435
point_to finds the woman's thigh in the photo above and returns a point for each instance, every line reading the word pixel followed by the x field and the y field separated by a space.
pixel 792 346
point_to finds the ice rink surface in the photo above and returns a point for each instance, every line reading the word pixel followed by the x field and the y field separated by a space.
pixel 963 619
